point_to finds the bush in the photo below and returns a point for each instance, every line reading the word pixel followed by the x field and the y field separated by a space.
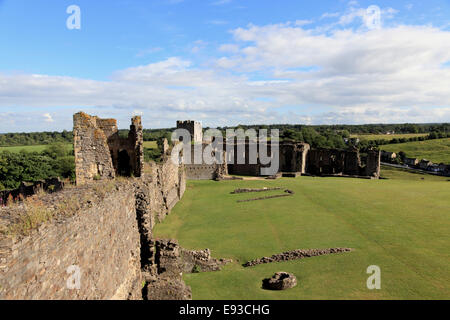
pixel 196 269
pixel 152 155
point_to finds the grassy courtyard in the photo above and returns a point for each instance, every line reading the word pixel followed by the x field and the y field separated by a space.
pixel 400 224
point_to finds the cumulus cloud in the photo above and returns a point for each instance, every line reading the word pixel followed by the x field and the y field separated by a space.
pixel 397 66
pixel 48 117
pixel 289 72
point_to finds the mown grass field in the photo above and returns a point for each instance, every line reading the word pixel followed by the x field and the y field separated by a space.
pixel 436 151
pixel 400 224
pixel 387 136
pixel 37 148
pixel 404 174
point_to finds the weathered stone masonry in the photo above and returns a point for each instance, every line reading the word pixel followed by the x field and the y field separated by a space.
pixel 294 158
pixel 100 153
pixel 101 240
pixel 107 237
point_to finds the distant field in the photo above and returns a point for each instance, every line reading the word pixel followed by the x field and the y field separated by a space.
pixel 38 148
pixel 436 151
pixel 387 136
pixel 150 144
pixel 399 225
pixel 403 174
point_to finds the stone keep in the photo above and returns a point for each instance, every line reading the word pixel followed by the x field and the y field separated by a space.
pixel 194 128
pixel 100 153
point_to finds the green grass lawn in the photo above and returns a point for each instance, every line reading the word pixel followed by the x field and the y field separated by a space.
pixel 150 144
pixel 399 224
pixel 387 136
pixel 435 150
pixel 404 174
pixel 37 148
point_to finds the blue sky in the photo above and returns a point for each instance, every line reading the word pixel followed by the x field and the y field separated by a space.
pixel 223 62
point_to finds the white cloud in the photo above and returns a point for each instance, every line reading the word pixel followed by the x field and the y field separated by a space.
pixel 327 15
pixel 308 75
pixel 228 47
pixel 48 117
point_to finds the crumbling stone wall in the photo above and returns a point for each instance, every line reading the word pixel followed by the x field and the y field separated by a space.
pixel 343 162
pixel 239 160
pixel 100 153
pixel 203 170
pixel 373 161
pixel 29 189
pixel 107 238
pixel 169 261
pixel 101 239
pixel 326 161
pixel 92 155
pixel 293 157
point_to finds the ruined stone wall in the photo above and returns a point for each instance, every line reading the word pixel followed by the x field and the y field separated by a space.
pixel 92 155
pixel 29 189
pixel 239 161
pixel 352 162
pixel 343 162
pixel 169 262
pixel 107 237
pixel 101 239
pixel 293 157
pixel 133 145
pixel 326 161
pixel 373 162
pixel 203 170
pixel 100 153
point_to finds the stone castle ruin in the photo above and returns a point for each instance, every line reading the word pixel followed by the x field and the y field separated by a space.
pixel 194 128
pixel 100 153
pixel 294 159
pixel 102 229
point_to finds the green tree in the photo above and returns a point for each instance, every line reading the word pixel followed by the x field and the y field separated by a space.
pixel 345 134
pixel 56 150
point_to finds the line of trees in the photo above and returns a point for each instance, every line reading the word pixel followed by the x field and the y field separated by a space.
pixel 43 138
pixel 358 129
pixel 55 161
pixel 34 138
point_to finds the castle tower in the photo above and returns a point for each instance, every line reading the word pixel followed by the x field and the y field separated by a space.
pixel 194 128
